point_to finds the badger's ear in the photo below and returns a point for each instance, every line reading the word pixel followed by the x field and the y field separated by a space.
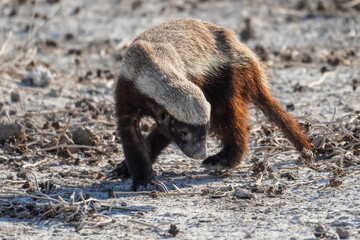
pixel 163 119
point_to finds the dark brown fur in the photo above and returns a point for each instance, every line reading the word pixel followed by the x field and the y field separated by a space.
pixel 229 89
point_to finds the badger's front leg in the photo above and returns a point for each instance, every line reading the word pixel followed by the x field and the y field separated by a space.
pixel 140 153
pixel 135 150
pixel 156 141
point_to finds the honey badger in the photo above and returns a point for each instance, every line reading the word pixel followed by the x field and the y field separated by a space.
pixel 192 77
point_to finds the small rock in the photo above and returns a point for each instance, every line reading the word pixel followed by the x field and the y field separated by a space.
pixel 28 185
pixel 354 84
pixel 38 77
pixel 268 210
pixel 301 5
pixel 300 88
pixel 343 233
pixel 76 11
pixel 15 96
pixel 9 130
pixel 261 52
pixel 84 119
pixel 324 69
pixel 53 93
pixel 77 162
pixel 318 142
pixel 69 36
pixel 335 182
pixel 288 175
pixel 174 230
pixel 243 194
pixel 56 124
pixel 306 58
pixel 334 61
pixel 64 152
pixel 84 136
pixel 51 43
pixel 111 193
pixel 47 125
pixel 248 32
pixel 290 107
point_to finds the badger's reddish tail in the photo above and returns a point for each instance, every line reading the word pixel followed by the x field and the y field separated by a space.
pixel 277 114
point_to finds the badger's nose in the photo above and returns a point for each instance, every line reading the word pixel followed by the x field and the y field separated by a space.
pixel 201 152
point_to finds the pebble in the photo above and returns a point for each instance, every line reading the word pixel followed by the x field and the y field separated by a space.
pixel 84 136
pixel 15 96
pixel 343 233
pixel 8 130
pixel 243 194
pixel 38 77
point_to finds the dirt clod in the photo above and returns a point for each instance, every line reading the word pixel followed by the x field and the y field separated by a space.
pixel 335 182
pixel 28 185
pixel 243 194
pixel 38 77
pixel 64 152
pixel 343 233
pixel 248 31
pixel 288 175
pixel 84 136
pixel 111 193
pixel 355 84
pixel 174 230
pixel 260 168
pixel 300 88
pixel 262 52
pixel 8 130
pixel 15 96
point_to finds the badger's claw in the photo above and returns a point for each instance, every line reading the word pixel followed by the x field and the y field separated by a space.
pixel 119 172
pixel 156 186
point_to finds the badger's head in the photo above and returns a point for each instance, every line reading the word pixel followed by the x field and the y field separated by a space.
pixel 190 138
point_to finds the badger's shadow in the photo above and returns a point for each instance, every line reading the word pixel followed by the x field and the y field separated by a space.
pixel 184 180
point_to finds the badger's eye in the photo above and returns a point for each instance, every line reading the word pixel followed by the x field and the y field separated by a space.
pixel 183 133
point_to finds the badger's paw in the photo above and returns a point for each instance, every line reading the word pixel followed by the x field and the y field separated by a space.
pixel 119 172
pixel 215 162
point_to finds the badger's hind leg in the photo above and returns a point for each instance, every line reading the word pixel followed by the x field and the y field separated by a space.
pixel 229 123
pixel 233 132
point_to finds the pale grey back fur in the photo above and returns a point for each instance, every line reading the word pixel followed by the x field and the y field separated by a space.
pixel 163 59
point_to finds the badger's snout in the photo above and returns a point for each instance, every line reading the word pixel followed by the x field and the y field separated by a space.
pixel 197 151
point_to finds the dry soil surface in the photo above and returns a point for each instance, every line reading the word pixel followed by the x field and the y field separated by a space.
pixel 58 141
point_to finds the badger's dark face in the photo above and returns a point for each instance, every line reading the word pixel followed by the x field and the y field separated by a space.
pixel 190 138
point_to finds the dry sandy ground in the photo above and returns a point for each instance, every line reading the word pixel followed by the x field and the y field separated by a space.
pixel 312 51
